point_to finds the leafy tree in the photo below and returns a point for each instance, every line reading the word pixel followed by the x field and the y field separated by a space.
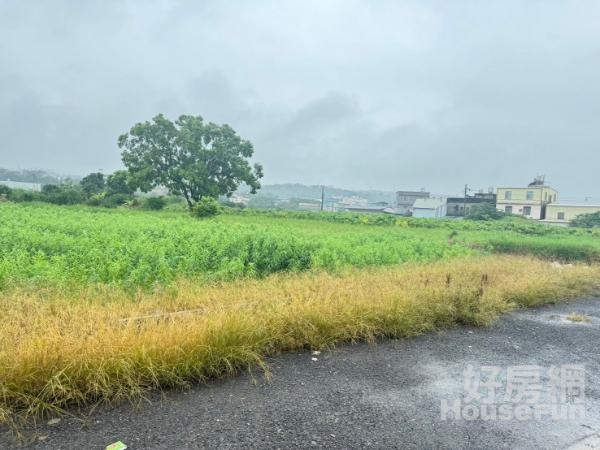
pixel 92 183
pixel 586 220
pixel 48 189
pixel 119 183
pixel 485 211
pixel 190 157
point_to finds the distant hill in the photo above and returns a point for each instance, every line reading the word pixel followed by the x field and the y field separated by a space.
pixel 269 192
pixel 38 177
pixel 302 191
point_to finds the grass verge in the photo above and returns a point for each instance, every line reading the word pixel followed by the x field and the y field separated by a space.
pixel 59 351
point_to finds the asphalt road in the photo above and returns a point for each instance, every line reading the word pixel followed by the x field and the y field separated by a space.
pixel 384 395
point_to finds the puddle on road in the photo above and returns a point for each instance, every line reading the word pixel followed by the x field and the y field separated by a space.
pixel 568 319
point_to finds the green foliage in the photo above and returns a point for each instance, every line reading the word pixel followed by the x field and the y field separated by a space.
pixel 587 220
pixel 64 245
pixel 154 203
pixel 95 200
pixel 190 157
pixel 119 182
pixel 485 211
pixel 46 245
pixel 115 200
pixel 563 250
pixel 206 207
pixel 22 195
pixel 92 190
pixel 92 184
pixel 64 194
pixel 508 224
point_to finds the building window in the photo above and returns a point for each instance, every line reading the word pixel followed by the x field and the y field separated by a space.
pixel 529 195
pixel 545 196
pixel 508 195
pixel 508 209
pixel 554 198
pixel 527 210
pixel 560 216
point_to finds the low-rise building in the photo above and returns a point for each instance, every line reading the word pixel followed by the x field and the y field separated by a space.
pixel 461 206
pixel 429 208
pixel 563 213
pixel 406 199
pixel 309 206
pixel 530 201
pixel 374 207
pixel 22 185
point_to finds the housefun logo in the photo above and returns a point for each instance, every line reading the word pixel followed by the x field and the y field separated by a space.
pixel 528 392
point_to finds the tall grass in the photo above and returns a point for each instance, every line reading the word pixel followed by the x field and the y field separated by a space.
pixel 565 249
pixel 57 351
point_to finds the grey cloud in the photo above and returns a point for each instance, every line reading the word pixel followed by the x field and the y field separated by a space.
pixel 352 93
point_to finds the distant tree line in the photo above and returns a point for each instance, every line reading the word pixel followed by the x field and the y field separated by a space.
pixel 29 176
pixel 95 189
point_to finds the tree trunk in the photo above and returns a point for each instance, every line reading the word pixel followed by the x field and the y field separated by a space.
pixel 187 198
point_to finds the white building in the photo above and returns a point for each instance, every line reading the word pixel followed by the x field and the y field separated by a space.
pixel 22 185
pixel 563 213
pixel 406 199
pixel 430 208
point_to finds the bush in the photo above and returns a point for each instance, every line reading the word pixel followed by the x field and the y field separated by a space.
pixel 587 220
pixel 114 200
pixel 206 207
pixel 485 211
pixel 133 203
pixel 21 195
pixel 62 195
pixel 5 190
pixel 155 203
pixel 95 200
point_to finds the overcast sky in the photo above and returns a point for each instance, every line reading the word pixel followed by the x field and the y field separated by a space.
pixel 360 94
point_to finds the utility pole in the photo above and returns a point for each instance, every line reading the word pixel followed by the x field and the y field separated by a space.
pixel 322 197
pixel 465 201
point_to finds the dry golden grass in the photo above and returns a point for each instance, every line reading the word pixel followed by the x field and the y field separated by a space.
pixel 58 350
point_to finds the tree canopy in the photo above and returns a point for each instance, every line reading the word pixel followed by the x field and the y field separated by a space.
pixel 485 211
pixel 591 220
pixel 190 157
pixel 92 183
pixel 119 182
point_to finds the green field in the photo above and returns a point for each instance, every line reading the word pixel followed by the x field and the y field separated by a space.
pixel 102 305
pixel 50 245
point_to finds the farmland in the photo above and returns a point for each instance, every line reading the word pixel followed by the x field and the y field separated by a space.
pixel 78 246
pixel 100 305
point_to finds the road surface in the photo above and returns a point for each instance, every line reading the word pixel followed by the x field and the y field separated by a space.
pixel 384 395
